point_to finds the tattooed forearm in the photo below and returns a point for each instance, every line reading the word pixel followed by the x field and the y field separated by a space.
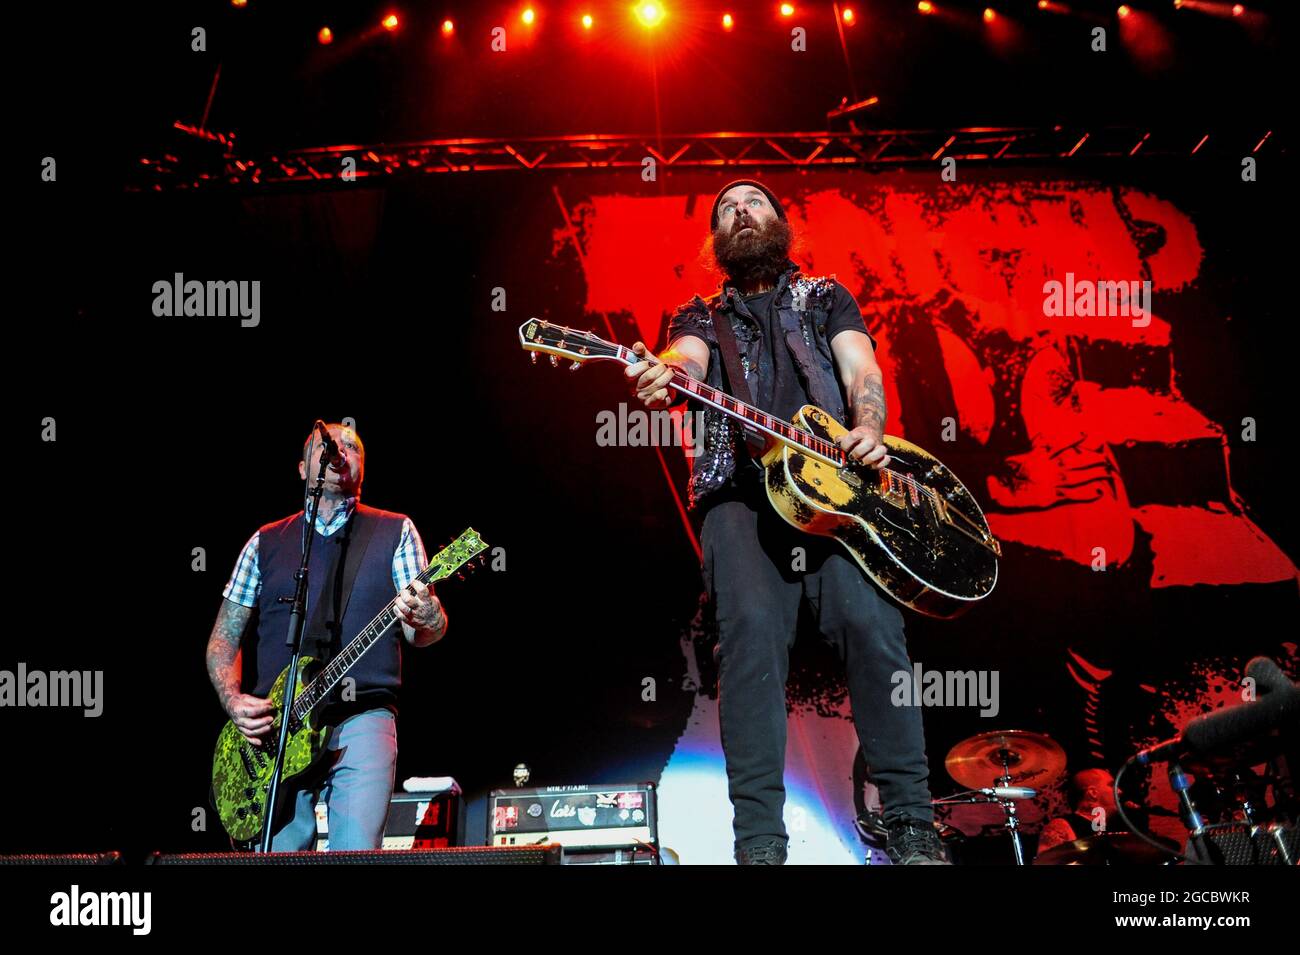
pixel 223 649
pixel 869 402
pixel 680 360
pixel 691 367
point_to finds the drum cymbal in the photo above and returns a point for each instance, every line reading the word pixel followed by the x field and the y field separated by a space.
pixel 1030 759
pixel 1107 848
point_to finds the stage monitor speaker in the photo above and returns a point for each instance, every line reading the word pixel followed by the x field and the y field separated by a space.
pixel 75 858
pixel 468 855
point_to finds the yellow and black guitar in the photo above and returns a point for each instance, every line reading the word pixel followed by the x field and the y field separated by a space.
pixel 912 527
pixel 241 772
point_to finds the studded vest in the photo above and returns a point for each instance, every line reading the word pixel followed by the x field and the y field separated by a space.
pixel 803 306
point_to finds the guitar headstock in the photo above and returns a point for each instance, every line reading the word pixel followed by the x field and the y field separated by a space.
pixel 541 337
pixel 454 556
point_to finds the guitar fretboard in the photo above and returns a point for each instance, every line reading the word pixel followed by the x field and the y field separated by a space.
pixel 829 452
pixel 328 678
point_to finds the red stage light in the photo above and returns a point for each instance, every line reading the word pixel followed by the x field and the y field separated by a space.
pixel 787 9
pixel 1123 11
pixel 528 16
pixel 925 6
pixel 239 3
pixel 325 36
pixel 587 21
pixel 727 22
pixel 1211 8
pixel 847 15
pixel 990 15
pixel 390 22
pixel 448 28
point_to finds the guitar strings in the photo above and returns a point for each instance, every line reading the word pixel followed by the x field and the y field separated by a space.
pixel 799 436
pixel 318 686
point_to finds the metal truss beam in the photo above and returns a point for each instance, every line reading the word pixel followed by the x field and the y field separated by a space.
pixel 205 160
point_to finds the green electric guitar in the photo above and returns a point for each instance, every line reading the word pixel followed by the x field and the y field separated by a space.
pixel 241 772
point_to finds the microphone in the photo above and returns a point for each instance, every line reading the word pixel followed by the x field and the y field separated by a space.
pixel 1268 676
pixel 1278 704
pixel 1226 728
pixel 331 447
pixel 1010 792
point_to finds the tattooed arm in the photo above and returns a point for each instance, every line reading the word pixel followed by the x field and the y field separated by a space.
pixel 223 649
pixel 252 715
pixel 864 383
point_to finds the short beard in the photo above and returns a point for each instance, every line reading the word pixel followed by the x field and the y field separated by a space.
pixel 756 259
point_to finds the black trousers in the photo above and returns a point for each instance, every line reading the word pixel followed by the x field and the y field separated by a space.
pixel 748 557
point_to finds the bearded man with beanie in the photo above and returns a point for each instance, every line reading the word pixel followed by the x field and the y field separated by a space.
pixel 799 340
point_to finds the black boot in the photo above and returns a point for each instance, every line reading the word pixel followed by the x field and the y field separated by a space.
pixel 914 842
pixel 762 853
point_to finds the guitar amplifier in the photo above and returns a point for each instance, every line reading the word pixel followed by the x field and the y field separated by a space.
pixel 603 824
pixel 428 819
pixel 1240 844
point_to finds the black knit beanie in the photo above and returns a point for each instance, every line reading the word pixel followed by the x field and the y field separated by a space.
pixel 776 203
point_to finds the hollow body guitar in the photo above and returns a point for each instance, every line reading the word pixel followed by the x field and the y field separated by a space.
pixel 912 527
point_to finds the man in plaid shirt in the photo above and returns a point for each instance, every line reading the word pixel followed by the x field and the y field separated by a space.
pixel 361 557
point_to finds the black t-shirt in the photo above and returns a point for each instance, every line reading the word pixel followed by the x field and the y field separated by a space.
pixel 779 390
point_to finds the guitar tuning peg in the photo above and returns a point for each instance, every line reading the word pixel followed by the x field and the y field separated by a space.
pixel 575 366
pixel 555 360
pixel 533 356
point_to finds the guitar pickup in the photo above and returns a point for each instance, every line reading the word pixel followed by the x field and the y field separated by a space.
pixel 891 489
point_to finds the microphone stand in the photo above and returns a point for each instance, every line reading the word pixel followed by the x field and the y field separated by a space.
pixel 1005 803
pixel 1181 783
pixel 297 620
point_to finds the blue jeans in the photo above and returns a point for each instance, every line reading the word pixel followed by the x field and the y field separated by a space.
pixel 356 787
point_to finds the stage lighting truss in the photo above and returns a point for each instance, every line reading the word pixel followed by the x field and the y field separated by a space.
pixel 875 149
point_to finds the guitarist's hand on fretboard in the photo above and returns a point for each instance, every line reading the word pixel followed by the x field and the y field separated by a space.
pixel 419 608
pixel 650 378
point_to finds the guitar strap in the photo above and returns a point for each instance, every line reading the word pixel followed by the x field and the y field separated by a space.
pixel 737 386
